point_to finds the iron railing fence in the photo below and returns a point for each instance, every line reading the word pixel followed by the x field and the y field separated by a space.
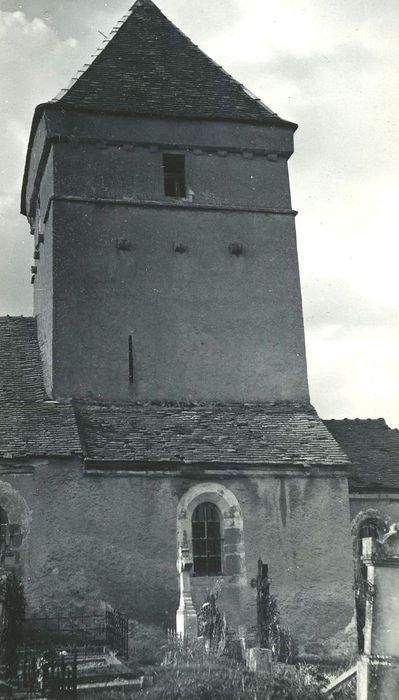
pixel 47 674
pixel 117 632
pixel 87 634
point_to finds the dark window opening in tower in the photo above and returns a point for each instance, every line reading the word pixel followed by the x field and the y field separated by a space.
pixel 174 175
pixel 207 541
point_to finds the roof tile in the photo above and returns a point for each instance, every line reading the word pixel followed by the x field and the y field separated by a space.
pixel 373 448
pixel 150 67
pixel 30 424
pixel 255 434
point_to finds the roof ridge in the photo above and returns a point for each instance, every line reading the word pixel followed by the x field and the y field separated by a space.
pixel 355 420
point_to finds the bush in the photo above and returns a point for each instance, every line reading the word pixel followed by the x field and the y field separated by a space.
pixel 14 608
pixel 179 652
pixel 212 623
pixel 271 632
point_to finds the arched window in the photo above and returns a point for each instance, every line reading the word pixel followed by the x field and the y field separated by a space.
pixel 207 540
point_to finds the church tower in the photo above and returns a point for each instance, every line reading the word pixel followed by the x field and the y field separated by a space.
pixel 170 328
pixel 165 254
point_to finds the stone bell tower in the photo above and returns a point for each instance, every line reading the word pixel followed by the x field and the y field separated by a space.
pixel 165 253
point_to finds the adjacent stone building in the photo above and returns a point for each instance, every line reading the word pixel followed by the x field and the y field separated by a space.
pixel 159 394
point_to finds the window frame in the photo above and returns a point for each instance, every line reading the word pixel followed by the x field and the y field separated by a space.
pixel 211 546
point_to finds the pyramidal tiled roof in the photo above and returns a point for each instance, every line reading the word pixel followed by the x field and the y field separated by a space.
pixel 149 67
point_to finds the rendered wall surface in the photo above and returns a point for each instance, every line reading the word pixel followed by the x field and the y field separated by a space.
pixel 122 548
pixel 206 323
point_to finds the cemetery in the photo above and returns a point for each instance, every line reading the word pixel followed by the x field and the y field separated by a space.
pixel 108 656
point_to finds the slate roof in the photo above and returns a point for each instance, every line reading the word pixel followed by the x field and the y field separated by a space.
pixel 259 434
pixel 373 448
pixel 21 376
pixel 30 424
pixel 149 67
pixel 276 434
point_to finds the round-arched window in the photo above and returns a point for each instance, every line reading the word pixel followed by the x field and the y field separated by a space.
pixel 207 540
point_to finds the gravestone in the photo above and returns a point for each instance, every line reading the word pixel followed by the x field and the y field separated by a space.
pixel 378 667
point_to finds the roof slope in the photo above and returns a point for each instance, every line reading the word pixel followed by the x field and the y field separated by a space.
pixel 21 376
pixel 150 67
pixel 30 425
pixel 236 433
pixel 373 447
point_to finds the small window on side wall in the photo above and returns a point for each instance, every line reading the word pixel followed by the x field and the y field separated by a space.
pixel 207 541
pixel 174 175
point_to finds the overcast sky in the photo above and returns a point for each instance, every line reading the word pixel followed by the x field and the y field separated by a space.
pixel 330 65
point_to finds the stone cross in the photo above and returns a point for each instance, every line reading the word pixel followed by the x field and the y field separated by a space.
pixel 186 617
pixel 378 667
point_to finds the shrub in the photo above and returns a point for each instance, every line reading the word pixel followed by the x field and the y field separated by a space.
pixel 280 640
pixel 212 623
pixel 179 652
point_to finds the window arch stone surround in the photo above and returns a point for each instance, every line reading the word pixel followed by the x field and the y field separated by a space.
pixel 232 526
pixel 382 521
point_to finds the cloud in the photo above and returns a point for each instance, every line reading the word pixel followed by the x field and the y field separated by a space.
pixel 23 83
pixel 354 371
pixel 84 19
